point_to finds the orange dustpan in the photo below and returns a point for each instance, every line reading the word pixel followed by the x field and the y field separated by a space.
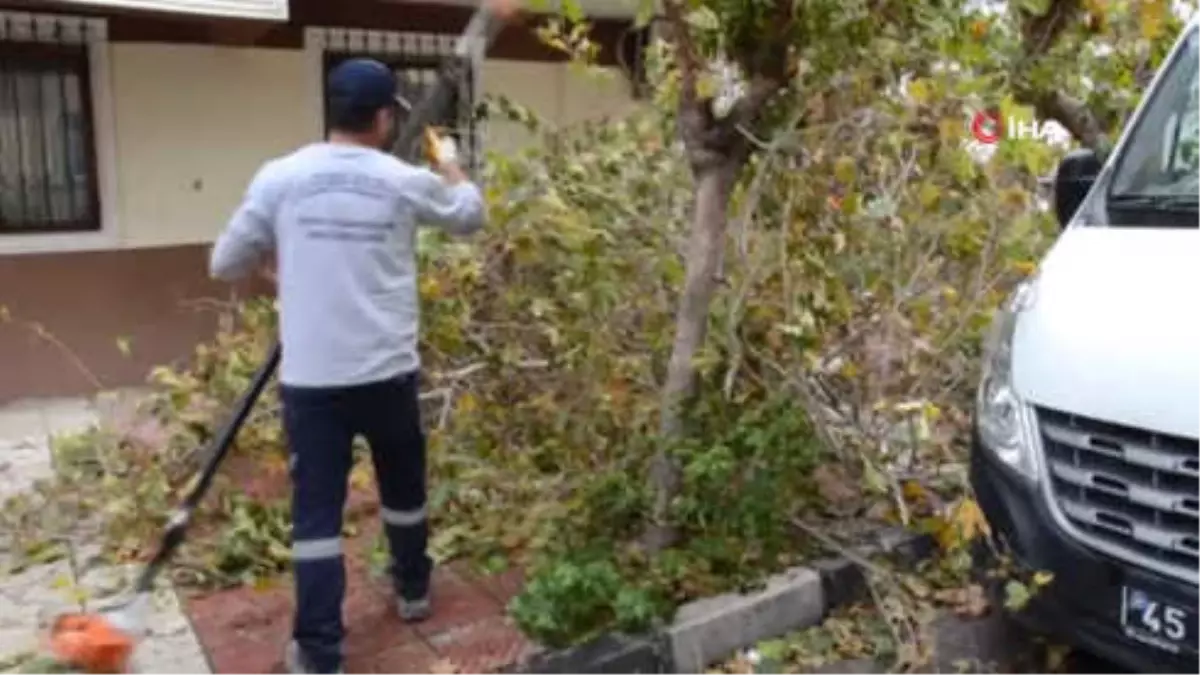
pixel 93 643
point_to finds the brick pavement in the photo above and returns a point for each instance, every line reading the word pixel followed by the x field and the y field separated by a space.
pixel 243 630
pixel 240 630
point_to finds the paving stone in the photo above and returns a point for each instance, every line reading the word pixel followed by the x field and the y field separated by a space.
pixel 89 551
pixel 259 653
pixel 456 602
pixel 32 581
pixel 483 646
pixel 414 657
pixel 105 583
pixel 22 464
pixel 372 623
pixel 178 653
pixel 15 642
pixel 68 415
pixel 241 629
pixel 171 645
pixel 502 587
pixel 23 420
pixel 39 594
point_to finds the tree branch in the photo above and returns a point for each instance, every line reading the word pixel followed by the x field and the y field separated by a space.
pixel 767 70
pixel 761 89
pixel 1073 114
pixel 687 58
pixel 1040 32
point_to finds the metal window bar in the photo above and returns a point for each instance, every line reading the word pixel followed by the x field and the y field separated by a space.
pixel 417 71
pixel 47 162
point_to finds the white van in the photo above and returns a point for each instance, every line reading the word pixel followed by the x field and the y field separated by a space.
pixel 1086 458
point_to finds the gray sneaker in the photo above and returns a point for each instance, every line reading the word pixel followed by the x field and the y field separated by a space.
pixel 413 611
pixel 295 662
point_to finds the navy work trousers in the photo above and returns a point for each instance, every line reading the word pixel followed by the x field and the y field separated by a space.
pixel 321 424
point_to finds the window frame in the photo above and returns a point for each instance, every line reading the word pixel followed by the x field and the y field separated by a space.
pixel 76 57
pixel 470 148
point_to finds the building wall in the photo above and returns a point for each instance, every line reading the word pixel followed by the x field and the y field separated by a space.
pixel 193 123
pixel 180 129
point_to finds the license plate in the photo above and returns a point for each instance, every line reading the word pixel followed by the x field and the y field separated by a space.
pixel 1150 619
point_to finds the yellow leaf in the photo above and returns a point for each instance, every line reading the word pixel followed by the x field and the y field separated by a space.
pixel 1042 578
pixel 979 29
pixel 707 86
pixel 849 370
pixel 950 129
pixel 919 90
pixel 1025 267
pixel 429 286
pixel 263 583
pixel 929 194
pixel 970 519
pixel 467 403
pixel 844 169
pixel 913 491
pixel 1152 18
pixel 964 524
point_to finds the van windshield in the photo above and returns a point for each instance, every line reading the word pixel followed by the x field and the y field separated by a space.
pixel 1158 166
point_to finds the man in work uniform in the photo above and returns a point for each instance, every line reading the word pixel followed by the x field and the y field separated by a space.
pixel 339 218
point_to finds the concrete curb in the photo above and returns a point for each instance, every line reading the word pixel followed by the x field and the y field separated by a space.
pixel 710 629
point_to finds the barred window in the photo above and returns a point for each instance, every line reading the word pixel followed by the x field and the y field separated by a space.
pixel 47 161
pixel 415 74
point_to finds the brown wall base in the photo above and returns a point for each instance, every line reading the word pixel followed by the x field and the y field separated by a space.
pixel 160 299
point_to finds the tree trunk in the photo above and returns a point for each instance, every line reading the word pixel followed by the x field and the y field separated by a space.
pixel 714 187
pixel 1075 116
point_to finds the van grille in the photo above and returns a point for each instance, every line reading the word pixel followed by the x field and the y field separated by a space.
pixel 1129 492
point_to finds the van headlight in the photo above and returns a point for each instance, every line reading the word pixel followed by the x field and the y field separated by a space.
pixel 999 412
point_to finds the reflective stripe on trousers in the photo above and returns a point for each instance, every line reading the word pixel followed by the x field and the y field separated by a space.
pixel 321 424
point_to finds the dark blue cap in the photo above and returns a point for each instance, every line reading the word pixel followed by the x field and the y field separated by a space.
pixel 365 84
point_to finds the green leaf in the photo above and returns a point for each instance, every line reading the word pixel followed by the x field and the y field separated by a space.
pixel 573 11
pixel 1016 595
pixel 646 10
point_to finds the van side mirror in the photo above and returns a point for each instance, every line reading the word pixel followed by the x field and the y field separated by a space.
pixel 1076 174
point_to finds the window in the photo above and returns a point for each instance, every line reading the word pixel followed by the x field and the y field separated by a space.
pixel 47 160
pixel 1160 159
pixel 416 73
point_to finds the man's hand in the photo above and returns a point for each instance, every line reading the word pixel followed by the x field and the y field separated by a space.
pixel 442 153
pixel 439 149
